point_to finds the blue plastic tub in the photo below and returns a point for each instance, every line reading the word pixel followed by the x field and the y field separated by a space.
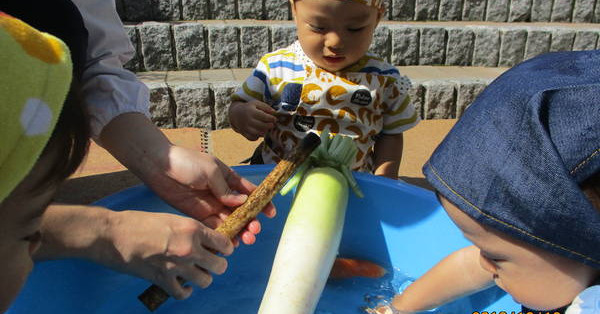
pixel 397 225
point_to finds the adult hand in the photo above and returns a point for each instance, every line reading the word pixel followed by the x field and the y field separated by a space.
pixel 203 187
pixel 161 247
pixel 251 119
pixel 193 182
pixel 156 246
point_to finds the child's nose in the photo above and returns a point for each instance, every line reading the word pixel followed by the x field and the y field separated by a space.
pixel 334 41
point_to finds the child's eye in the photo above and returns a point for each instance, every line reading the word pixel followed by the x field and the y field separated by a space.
pixel 34 239
pixel 493 259
pixel 315 28
pixel 358 29
pixel 36 236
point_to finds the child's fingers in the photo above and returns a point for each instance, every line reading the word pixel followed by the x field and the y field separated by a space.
pixel 259 128
pixel 264 107
pixel 265 113
pixel 265 118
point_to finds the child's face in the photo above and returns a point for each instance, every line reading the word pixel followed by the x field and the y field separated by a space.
pixel 334 34
pixel 20 221
pixel 534 277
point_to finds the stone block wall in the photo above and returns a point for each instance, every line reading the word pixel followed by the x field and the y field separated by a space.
pixel 576 11
pixel 190 102
pixel 210 45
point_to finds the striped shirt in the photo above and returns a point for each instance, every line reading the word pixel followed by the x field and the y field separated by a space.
pixel 361 101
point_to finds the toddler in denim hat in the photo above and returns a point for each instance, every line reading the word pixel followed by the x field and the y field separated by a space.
pixel 328 80
pixel 519 174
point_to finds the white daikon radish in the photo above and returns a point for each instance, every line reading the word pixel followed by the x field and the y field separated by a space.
pixel 311 236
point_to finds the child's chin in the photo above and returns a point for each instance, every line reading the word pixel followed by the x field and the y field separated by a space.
pixel 332 68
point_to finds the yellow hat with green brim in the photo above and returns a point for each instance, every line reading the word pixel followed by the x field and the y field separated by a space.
pixel 34 82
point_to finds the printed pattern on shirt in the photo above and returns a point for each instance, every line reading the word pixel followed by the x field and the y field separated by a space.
pixel 362 101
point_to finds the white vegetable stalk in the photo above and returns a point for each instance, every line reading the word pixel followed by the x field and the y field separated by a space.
pixel 311 236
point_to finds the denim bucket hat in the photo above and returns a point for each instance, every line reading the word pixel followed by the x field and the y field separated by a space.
pixel 515 159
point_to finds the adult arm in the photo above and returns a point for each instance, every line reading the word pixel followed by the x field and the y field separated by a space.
pixel 117 104
pixel 108 89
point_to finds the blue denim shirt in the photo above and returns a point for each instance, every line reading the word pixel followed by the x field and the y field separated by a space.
pixel 515 160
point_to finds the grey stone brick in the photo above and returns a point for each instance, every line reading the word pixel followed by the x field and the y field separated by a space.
pixel 450 10
pixel 474 10
pixel 497 11
pixel 585 40
pixel 223 9
pixel 403 10
pixel 417 95
pixel 166 10
pixel 160 104
pixel 193 103
pixel 251 9
pixel 136 63
pixel 282 35
pixel 405 45
pixel 223 46
pixel 460 46
pixel 380 45
pixel 541 11
pixel 277 10
pixel 538 42
pixel 222 93
pixel 597 12
pixel 156 46
pixel 487 47
pixel 190 46
pixel 432 45
pixel 562 40
pixel 195 9
pixel 426 10
pixel 254 41
pixel 138 10
pixel 440 102
pixel 562 10
pixel 467 92
pixel 512 46
pixel 520 11
pixel 583 11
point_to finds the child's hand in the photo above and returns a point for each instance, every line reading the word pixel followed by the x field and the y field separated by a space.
pixel 251 119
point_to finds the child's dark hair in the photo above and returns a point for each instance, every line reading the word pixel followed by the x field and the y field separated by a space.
pixel 70 139
pixel 591 188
